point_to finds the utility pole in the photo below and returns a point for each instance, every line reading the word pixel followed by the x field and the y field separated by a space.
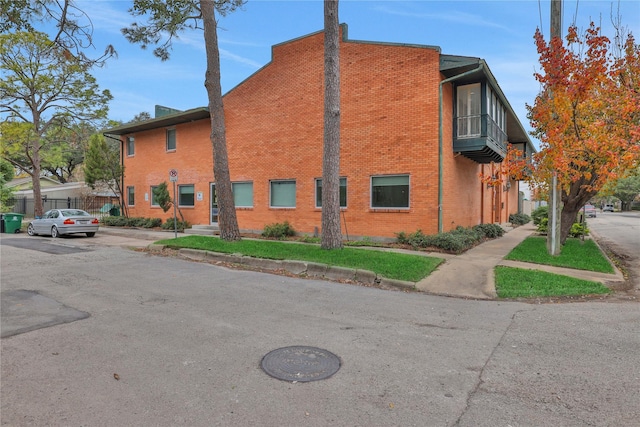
pixel 555 206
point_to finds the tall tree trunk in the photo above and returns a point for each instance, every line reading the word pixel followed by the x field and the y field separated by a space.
pixel 228 221
pixel 331 232
pixel 572 202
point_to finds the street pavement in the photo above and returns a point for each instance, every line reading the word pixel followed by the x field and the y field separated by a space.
pixel 166 341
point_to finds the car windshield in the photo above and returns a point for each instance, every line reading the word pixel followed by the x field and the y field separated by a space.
pixel 74 212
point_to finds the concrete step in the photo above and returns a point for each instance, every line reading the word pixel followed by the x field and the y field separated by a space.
pixel 203 230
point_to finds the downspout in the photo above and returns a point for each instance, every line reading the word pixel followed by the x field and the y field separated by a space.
pixel 440 154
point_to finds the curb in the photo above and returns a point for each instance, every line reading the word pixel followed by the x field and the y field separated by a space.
pixel 298 268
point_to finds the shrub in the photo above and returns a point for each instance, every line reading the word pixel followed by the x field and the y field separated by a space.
pixel 490 230
pixel 115 221
pixel 457 240
pixel 181 225
pixel 121 221
pixel 543 226
pixel 578 230
pixel 278 230
pixel 519 219
pixel 416 239
pixel 539 213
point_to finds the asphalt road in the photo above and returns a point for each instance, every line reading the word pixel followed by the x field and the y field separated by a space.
pixel 186 340
pixel 620 233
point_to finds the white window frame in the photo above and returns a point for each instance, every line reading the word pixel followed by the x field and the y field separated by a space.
pixel 382 177
pixel 175 139
pixel 271 193
pixel 180 195
pixel 131 146
pixel 234 185
pixel 154 205
pixel 131 194
pixel 469 111
pixel 346 198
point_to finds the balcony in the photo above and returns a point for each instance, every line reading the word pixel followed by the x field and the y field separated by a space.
pixel 480 139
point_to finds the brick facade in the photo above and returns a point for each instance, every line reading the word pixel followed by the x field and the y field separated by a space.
pixel 274 121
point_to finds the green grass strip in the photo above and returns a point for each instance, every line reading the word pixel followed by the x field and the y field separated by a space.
pixel 521 283
pixel 577 254
pixel 390 265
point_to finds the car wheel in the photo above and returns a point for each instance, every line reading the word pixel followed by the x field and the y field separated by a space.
pixel 30 230
pixel 54 231
pixel 93 233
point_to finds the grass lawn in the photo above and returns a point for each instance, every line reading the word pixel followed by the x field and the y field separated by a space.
pixel 390 265
pixel 574 254
pixel 521 283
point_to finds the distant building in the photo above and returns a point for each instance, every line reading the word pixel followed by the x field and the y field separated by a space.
pixel 417 129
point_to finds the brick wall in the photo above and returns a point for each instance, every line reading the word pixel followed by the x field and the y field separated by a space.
pixel 274 121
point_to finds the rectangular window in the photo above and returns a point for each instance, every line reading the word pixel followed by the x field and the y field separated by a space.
pixel 469 109
pixel 390 192
pixel 242 194
pixel 186 195
pixel 131 196
pixel 131 147
pixel 343 193
pixel 154 202
pixel 171 139
pixel 283 194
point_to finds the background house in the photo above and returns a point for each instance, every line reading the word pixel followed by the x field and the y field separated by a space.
pixel 418 128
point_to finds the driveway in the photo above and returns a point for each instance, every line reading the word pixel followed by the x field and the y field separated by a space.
pixel 171 342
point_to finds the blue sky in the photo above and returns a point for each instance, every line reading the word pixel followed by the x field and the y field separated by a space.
pixel 501 32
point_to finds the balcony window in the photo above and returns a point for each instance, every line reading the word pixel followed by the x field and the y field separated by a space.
pixel 469 111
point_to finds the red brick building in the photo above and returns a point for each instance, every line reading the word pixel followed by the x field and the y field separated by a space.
pixel 417 129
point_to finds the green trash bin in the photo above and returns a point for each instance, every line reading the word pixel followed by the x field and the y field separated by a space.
pixel 114 211
pixel 12 222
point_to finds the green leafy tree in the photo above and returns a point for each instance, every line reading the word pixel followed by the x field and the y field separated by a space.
pixel 102 166
pixel 165 20
pixel 162 197
pixel 627 189
pixel 7 173
pixel 43 89
pixel 71 29
pixel 65 154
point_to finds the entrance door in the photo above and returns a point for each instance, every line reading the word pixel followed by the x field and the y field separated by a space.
pixel 214 205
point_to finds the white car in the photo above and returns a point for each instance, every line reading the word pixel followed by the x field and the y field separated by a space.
pixel 607 208
pixel 60 222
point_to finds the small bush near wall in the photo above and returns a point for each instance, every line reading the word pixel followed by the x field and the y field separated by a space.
pixel 519 219
pixel 490 231
pixel 278 231
pixel 455 241
pixel 181 225
pixel 121 221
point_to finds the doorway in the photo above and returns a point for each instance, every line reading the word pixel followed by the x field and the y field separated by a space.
pixel 214 205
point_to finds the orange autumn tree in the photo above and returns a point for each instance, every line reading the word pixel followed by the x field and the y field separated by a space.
pixel 515 166
pixel 586 116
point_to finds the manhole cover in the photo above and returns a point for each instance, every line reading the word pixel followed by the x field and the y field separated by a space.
pixel 300 364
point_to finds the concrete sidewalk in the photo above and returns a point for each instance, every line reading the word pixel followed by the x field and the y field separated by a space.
pixel 468 275
pixel 471 274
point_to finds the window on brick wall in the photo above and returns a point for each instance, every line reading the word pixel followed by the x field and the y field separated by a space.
pixel 154 202
pixel 469 110
pixel 390 192
pixel 171 139
pixel 283 194
pixel 242 194
pixel 131 146
pixel 186 195
pixel 131 196
pixel 343 192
